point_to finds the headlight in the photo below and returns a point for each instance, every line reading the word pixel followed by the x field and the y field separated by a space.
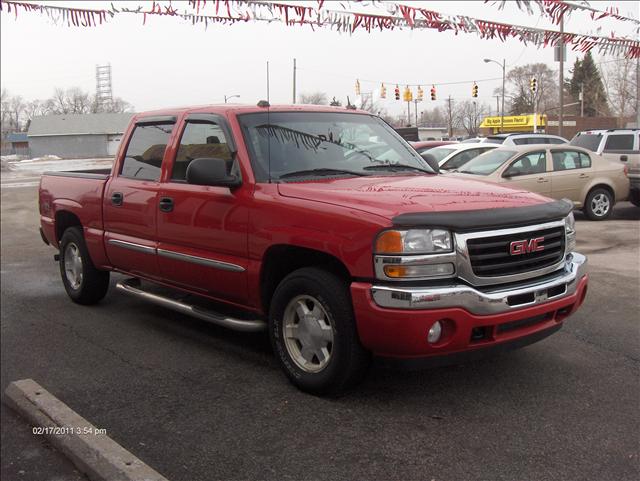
pixel 414 241
pixel 570 232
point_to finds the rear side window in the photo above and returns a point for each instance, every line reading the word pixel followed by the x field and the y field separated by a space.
pixel 200 140
pixel 587 141
pixel 461 158
pixel 143 158
pixel 569 160
pixel 619 142
pixel 553 140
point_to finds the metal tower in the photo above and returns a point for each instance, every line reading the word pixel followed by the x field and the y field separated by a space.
pixel 104 92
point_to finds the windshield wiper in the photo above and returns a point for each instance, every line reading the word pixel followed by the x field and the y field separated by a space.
pixel 320 172
pixel 396 167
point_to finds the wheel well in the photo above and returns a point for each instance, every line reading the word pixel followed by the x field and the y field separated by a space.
pixel 64 220
pixel 279 261
pixel 605 187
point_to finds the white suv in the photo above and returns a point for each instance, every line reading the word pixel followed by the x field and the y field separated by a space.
pixel 622 145
pixel 524 139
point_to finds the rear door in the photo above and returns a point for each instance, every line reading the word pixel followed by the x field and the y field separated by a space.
pixel 572 171
pixel 529 172
pixel 130 199
pixel 202 230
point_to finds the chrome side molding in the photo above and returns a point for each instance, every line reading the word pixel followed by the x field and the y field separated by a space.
pixel 132 287
pixel 132 246
pixel 203 261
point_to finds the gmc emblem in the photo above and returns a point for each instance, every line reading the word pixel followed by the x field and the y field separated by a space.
pixel 520 247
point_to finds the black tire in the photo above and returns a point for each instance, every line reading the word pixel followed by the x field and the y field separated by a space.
pixel 593 209
pixel 94 283
pixel 348 360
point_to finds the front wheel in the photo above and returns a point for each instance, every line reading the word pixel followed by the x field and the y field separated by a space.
pixel 313 332
pixel 83 282
pixel 599 204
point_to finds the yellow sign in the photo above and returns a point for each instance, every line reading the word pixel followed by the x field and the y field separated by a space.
pixel 513 122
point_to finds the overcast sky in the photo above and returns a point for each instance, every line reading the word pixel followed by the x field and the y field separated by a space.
pixel 168 62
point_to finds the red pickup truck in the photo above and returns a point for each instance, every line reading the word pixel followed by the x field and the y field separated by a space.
pixel 322 226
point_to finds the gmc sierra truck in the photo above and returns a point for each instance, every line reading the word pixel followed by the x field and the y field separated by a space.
pixel 322 226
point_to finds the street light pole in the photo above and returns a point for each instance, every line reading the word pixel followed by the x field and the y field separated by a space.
pixel 227 97
pixel 503 65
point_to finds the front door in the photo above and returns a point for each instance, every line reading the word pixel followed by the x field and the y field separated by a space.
pixel 529 172
pixel 202 230
pixel 130 201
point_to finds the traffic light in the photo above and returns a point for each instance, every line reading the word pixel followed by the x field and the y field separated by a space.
pixel 474 90
pixel 534 84
pixel 357 87
pixel 420 94
pixel 383 92
pixel 407 95
pixel 397 92
pixel 433 92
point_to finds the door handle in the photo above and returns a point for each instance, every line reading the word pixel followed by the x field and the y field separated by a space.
pixel 117 198
pixel 584 176
pixel 166 204
pixel 542 180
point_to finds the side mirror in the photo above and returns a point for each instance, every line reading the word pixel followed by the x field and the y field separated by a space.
pixel 210 171
pixel 433 163
pixel 507 174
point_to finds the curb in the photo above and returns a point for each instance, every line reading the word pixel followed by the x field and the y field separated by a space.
pixel 90 449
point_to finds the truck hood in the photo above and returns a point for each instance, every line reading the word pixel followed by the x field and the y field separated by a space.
pixel 395 195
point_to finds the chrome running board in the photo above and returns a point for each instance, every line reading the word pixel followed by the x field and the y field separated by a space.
pixel 132 286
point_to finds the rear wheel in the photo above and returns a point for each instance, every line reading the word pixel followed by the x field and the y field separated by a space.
pixel 599 204
pixel 83 282
pixel 313 332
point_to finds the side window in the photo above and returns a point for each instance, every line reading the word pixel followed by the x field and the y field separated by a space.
pixel 532 163
pixel 553 140
pixel 521 141
pixel 619 142
pixel 569 160
pixel 143 158
pixel 199 140
pixel 462 158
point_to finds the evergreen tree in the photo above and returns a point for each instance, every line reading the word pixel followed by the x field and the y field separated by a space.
pixel 585 75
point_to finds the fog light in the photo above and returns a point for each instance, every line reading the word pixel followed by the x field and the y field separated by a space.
pixel 434 333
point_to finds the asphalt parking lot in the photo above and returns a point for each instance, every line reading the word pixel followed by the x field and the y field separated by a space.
pixel 197 402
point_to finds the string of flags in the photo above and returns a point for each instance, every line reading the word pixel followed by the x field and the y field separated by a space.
pixel 396 16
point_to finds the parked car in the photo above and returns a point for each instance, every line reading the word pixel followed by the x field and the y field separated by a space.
pixel 452 157
pixel 593 183
pixel 429 144
pixel 524 139
pixel 322 226
pixel 622 145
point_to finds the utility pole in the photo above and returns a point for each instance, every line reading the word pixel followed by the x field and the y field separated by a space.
pixel 416 105
pixel 504 70
pixel 582 100
pixel 294 80
pixel 408 113
pixel 497 105
pixel 561 112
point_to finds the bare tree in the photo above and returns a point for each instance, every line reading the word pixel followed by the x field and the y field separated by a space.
pixel 315 98
pixel 621 88
pixel 468 115
pixel 16 108
pixel 519 89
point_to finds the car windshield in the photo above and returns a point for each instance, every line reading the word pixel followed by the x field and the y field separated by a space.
pixel 439 153
pixel 488 162
pixel 587 141
pixel 290 145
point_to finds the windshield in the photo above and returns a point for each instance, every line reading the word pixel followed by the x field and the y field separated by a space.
pixel 439 153
pixel 312 144
pixel 587 141
pixel 488 162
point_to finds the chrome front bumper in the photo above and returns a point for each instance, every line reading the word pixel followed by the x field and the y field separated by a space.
pixel 488 301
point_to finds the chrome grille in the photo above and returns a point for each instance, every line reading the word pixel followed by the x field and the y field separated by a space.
pixel 491 257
